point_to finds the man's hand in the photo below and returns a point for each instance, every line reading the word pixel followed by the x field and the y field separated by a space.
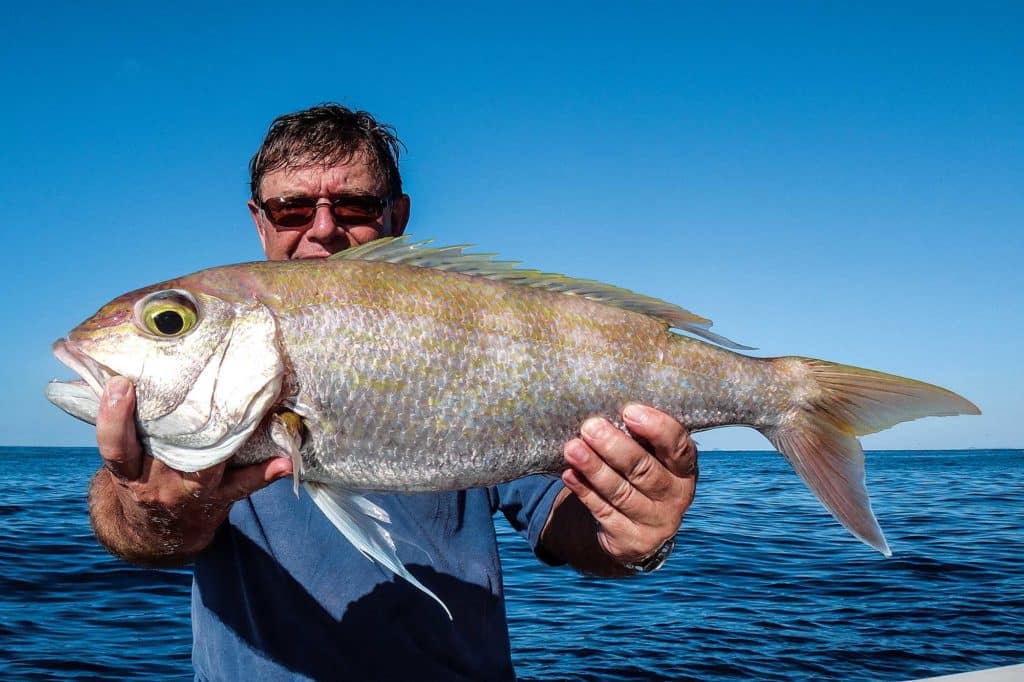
pixel 636 496
pixel 146 512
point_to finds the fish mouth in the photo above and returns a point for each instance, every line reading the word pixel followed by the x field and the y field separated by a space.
pixel 76 398
pixel 93 373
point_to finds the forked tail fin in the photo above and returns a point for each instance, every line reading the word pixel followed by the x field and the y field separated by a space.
pixel 818 436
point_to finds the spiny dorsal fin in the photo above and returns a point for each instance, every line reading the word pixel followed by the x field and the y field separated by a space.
pixel 452 259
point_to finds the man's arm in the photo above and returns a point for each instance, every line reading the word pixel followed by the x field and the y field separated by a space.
pixel 622 502
pixel 147 513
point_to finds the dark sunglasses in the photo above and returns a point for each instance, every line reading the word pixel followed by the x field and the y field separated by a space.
pixel 297 212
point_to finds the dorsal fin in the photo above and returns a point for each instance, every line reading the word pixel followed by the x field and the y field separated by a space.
pixel 452 259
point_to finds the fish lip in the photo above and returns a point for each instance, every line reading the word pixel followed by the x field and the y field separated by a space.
pixel 94 373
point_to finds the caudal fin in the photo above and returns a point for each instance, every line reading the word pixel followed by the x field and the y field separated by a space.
pixel 819 436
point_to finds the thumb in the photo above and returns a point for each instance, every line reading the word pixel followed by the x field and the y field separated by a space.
pixel 244 481
pixel 115 429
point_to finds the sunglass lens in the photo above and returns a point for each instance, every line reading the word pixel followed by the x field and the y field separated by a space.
pixel 290 213
pixel 292 217
pixel 356 212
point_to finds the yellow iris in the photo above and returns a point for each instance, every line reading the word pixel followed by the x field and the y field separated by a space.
pixel 169 316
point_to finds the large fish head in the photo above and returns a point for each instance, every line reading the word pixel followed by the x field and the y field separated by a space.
pixel 206 368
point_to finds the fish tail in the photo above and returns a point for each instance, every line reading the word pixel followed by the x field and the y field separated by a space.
pixel 818 436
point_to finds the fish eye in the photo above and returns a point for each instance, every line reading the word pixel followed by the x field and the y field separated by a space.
pixel 168 314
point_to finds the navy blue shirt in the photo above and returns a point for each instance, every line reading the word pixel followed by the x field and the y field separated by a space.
pixel 281 594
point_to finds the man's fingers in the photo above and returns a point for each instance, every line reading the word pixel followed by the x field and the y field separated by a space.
pixel 600 469
pixel 636 486
pixel 115 429
pixel 627 458
pixel 669 440
pixel 605 514
pixel 244 481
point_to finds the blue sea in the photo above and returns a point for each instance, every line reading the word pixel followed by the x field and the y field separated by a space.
pixel 763 583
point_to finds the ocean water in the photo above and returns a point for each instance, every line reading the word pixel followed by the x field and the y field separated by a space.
pixel 763 583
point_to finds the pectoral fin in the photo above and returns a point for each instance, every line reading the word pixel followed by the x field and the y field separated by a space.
pixel 286 433
pixel 362 523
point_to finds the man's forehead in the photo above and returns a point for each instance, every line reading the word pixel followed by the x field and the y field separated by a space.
pixel 355 172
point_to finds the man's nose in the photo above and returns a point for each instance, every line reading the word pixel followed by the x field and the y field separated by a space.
pixel 323 226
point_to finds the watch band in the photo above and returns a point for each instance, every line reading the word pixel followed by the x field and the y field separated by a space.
pixel 655 561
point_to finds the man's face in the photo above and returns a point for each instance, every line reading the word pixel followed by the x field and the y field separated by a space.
pixel 323 236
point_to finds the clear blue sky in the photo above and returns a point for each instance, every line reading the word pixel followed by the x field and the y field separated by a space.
pixel 835 180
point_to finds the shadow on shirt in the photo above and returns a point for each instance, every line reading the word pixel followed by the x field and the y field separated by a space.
pixel 252 619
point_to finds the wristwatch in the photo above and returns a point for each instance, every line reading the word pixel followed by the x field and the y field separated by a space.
pixel 655 561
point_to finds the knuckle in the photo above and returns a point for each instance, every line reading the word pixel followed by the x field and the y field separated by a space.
pixel 688 446
pixel 641 468
pixel 675 448
pixel 623 494
pixel 672 434
pixel 679 504
pixel 682 445
pixel 604 513
pixel 112 451
pixel 688 466
pixel 682 458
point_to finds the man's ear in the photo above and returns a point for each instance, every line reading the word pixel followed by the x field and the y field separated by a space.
pixel 399 215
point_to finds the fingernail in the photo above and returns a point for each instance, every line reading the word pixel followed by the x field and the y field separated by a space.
pixel 116 387
pixel 575 454
pixel 635 413
pixel 592 427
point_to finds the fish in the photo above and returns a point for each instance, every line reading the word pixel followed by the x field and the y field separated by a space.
pixel 401 366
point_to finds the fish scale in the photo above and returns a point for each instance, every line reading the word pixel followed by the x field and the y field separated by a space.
pixel 460 382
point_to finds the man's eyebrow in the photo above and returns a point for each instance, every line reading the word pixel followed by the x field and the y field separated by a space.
pixel 355 194
pixel 287 196
pixel 298 194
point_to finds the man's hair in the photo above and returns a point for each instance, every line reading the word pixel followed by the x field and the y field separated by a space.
pixel 327 134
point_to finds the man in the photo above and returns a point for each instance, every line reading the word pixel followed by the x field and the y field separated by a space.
pixel 278 592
